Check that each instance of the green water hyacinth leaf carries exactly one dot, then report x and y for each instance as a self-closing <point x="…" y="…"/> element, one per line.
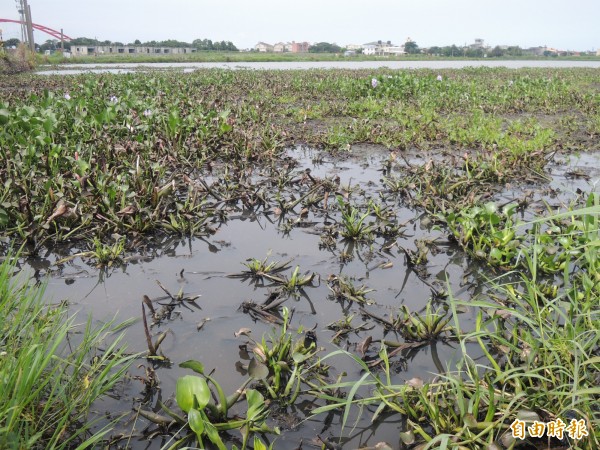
<point x="4" y="116"/>
<point x="213" y="435"/>
<point x="196" y="422"/>
<point x="196" y="366"/>
<point x="191" y="387"/>
<point x="256" y="404"/>
<point x="3" y="218"/>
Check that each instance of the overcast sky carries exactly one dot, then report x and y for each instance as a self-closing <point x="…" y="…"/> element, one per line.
<point x="567" y="25"/>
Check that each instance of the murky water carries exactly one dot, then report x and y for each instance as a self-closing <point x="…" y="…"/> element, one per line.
<point x="66" y="69"/>
<point x="205" y="330"/>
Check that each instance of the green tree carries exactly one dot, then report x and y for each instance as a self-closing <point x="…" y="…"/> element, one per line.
<point x="497" y="52"/>
<point x="14" y="42"/>
<point x="473" y="52"/>
<point x="514" y="50"/>
<point x="452" y="50"/>
<point x="411" y="48"/>
<point x="50" y="44"/>
<point x="84" y="41"/>
<point x="324" y="47"/>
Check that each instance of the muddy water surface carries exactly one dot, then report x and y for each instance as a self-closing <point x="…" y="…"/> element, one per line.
<point x="204" y="330"/>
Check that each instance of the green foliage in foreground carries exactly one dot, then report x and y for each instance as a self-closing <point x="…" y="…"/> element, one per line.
<point x="48" y="385"/>
<point x="540" y="356"/>
<point x="535" y="334"/>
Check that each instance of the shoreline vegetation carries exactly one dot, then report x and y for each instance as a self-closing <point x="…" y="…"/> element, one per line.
<point x="17" y="61"/>
<point x="49" y="376"/>
<point x="217" y="56"/>
<point x="106" y="162"/>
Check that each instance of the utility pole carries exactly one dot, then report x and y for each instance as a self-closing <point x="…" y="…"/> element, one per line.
<point x="27" y="9"/>
<point x="62" y="41"/>
<point x="21" y="11"/>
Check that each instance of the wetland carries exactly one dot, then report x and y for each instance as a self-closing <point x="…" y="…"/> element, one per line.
<point x="370" y="258"/>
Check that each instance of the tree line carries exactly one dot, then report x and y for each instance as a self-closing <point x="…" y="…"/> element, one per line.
<point x="199" y="44"/>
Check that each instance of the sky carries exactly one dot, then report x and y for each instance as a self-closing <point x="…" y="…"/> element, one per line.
<point x="565" y="25"/>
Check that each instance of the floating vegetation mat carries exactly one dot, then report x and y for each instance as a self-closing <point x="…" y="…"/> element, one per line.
<point x="323" y="259"/>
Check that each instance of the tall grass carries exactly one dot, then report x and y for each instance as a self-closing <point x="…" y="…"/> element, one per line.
<point x="47" y="383"/>
<point x="539" y="361"/>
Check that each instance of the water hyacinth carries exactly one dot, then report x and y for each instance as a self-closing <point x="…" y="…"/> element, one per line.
<point x="147" y="113"/>
<point x="67" y="96"/>
<point x="114" y="99"/>
<point x="374" y="82"/>
<point x="439" y="78"/>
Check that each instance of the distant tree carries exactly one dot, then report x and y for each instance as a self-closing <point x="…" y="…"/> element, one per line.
<point x="434" y="50"/>
<point x="137" y="42"/>
<point x="324" y="47"/>
<point x="50" y="44"/>
<point x="85" y="41"/>
<point x="497" y="52"/>
<point x="451" y="50"/>
<point x="14" y="42"/>
<point x="411" y="47"/>
<point x="473" y="52"/>
<point x="209" y="45"/>
<point x="514" y="50"/>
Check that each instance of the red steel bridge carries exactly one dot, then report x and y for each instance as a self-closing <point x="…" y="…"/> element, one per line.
<point x="50" y="31"/>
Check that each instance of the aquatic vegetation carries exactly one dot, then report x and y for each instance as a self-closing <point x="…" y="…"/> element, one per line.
<point x="48" y="380"/>
<point x="539" y="364"/>
<point x="353" y="226"/>
<point x="426" y="326"/>
<point x="204" y="419"/>
<point x="261" y="269"/>
<point x="280" y="362"/>
<point x="343" y="289"/>
<point x="131" y="154"/>
<point x="487" y="233"/>
<point x="453" y="170"/>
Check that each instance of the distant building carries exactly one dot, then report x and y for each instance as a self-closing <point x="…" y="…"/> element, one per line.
<point x="279" y="47"/>
<point x="378" y="48"/>
<point x="263" y="47"/>
<point x="300" y="47"/>
<point x="350" y="53"/>
<point x="86" y="50"/>
<point x="536" y="51"/>
<point x="598" y="52"/>
<point x="478" y="44"/>
<point x="354" y="47"/>
<point x="370" y="49"/>
<point x="394" y="50"/>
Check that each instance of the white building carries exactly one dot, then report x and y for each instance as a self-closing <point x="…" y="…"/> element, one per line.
<point x="378" y="48"/>
<point x="85" y="50"/>
<point x="263" y="47"/>
<point x="395" y="50"/>
<point x="279" y="47"/>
